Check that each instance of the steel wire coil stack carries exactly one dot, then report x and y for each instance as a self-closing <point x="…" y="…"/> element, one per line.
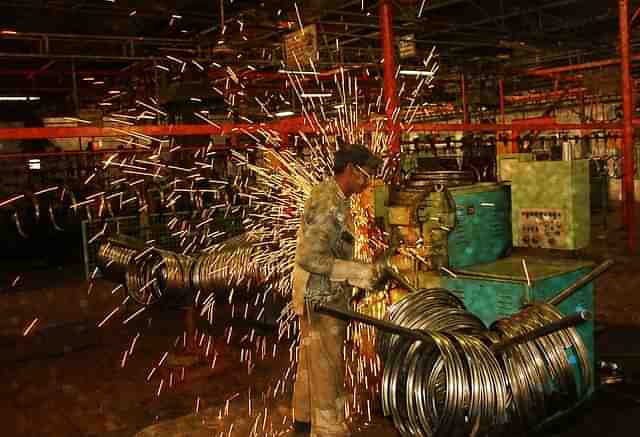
<point x="457" y="385"/>
<point x="148" y="274"/>
<point x="114" y="259"/>
<point x="230" y="264"/>
<point x="174" y="274"/>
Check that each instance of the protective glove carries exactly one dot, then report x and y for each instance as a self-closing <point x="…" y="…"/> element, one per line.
<point x="356" y="274"/>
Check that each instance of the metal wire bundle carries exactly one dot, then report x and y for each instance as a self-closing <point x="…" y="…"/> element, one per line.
<point x="231" y="264"/>
<point x="541" y="377"/>
<point x="174" y="273"/>
<point x="114" y="259"/>
<point x="143" y="277"/>
<point x="457" y="386"/>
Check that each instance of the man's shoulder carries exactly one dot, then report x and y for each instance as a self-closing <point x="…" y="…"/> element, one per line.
<point x="325" y="191"/>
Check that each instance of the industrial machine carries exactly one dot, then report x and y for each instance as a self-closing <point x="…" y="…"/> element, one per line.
<point x="499" y="289"/>
<point x="561" y="220"/>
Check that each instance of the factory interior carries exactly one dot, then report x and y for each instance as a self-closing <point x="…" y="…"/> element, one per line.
<point x="156" y="158"/>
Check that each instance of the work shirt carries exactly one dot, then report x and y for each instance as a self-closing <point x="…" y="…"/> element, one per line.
<point x="326" y="233"/>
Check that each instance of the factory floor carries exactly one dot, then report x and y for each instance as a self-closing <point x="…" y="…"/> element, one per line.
<point x="68" y="376"/>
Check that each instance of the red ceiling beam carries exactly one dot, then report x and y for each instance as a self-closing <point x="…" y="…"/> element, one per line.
<point x="291" y="125"/>
<point x="576" y="67"/>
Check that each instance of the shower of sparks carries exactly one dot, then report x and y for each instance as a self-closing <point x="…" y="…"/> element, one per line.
<point x="264" y="196"/>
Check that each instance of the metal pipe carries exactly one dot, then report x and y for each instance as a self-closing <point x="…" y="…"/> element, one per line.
<point x="465" y="105"/>
<point x="627" y="144"/>
<point x="390" y="90"/>
<point x="501" y="89"/>
<point x="383" y="325"/>
<point x="564" y="323"/>
<point x="568" y="292"/>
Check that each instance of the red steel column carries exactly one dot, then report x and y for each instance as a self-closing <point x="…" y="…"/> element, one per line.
<point x="390" y="88"/>
<point x="465" y="105"/>
<point x="627" y="107"/>
<point x="501" y="87"/>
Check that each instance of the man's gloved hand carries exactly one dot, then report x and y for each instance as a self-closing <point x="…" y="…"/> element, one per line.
<point x="356" y="274"/>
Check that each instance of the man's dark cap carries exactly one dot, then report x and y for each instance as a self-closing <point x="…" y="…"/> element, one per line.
<point x="357" y="154"/>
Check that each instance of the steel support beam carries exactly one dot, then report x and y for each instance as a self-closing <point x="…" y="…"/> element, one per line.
<point x="390" y="86"/>
<point x="628" y="171"/>
<point x="293" y="125"/>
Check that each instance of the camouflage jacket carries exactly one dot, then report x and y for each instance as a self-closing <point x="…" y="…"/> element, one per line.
<point x="325" y="234"/>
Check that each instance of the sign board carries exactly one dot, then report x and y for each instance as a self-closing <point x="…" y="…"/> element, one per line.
<point x="301" y="45"/>
<point x="407" y="45"/>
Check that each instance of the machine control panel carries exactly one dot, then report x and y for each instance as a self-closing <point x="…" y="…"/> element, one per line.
<point x="543" y="227"/>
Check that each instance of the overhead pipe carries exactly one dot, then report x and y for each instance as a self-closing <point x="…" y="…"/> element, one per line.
<point x="627" y="136"/>
<point x="389" y="70"/>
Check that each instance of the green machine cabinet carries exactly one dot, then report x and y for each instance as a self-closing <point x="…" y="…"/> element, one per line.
<point x="499" y="289"/>
<point x="482" y="232"/>
<point x="551" y="204"/>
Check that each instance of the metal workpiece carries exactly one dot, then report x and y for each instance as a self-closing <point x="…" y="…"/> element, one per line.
<point x="543" y="330"/>
<point x="232" y="264"/>
<point x="589" y="277"/>
<point x="468" y="379"/>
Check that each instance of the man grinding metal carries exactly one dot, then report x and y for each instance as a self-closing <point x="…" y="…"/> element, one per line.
<point x="325" y="272"/>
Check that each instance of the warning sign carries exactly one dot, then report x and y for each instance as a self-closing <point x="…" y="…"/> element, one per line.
<point x="301" y="45"/>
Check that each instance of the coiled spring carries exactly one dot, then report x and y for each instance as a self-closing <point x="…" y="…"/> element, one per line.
<point x="457" y="386"/>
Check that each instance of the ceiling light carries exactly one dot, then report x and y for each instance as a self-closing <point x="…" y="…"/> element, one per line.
<point x="132" y="13"/>
<point x="99" y="82"/>
<point x="89" y="79"/>
<point x="416" y="73"/>
<point x="313" y="73"/>
<point x="316" y="94"/>
<point x="8" y="32"/>
<point x="195" y="99"/>
<point x="105" y="104"/>
<point x="114" y="91"/>
<point x="177" y="17"/>
<point x="18" y="98"/>
<point x="284" y="113"/>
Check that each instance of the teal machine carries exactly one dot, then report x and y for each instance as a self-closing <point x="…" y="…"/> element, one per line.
<point x="466" y="229"/>
<point x="500" y="288"/>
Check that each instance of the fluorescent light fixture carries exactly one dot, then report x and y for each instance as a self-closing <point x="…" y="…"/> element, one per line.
<point x="99" y="82"/>
<point x="8" y="32"/>
<point x="311" y="73"/>
<point x="416" y="73"/>
<point x="34" y="164"/>
<point x="316" y="94"/>
<point x="177" y="17"/>
<point x="132" y="13"/>
<point x="18" y="98"/>
<point x="105" y="104"/>
<point x="89" y="79"/>
<point x="195" y="99"/>
<point x="284" y="113"/>
<point x="114" y="91"/>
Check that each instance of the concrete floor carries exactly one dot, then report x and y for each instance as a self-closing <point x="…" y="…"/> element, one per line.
<point x="66" y="378"/>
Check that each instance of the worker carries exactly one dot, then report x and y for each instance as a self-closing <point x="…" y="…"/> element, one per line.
<point x="325" y="272"/>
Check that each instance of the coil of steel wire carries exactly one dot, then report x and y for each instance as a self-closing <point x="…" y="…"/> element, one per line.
<point x="230" y="264"/>
<point x="457" y="386"/>
<point x="174" y="274"/>
<point x="540" y="372"/>
<point x="113" y="259"/>
<point x="143" y="277"/>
